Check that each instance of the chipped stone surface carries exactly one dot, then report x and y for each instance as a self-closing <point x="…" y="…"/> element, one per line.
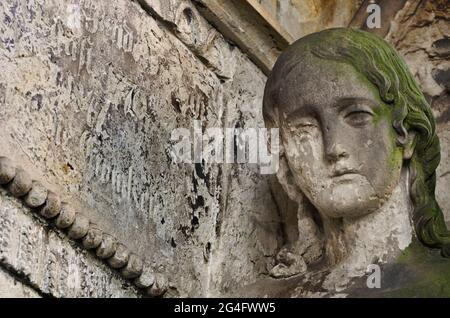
<point x="191" y="28"/>
<point x="49" y="261"/>
<point x="12" y="288"/>
<point x="93" y="92"/>
<point x="301" y="17"/>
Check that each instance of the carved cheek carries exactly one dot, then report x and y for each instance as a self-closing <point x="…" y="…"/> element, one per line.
<point x="312" y="150"/>
<point x="307" y="158"/>
<point x="304" y="147"/>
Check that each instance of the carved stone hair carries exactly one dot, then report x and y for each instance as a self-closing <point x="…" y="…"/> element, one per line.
<point x="380" y="63"/>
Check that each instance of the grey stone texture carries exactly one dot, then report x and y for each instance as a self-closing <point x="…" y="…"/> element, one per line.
<point x="301" y="17"/>
<point x="48" y="262"/>
<point x="90" y="95"/>
<point x="13" y="288"/>
<point x="93" y="92"/>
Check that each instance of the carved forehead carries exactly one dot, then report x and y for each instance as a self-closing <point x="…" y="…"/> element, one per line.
<point x="319" y="83"/>
<point x="312" y="68"/>
<point x="301" y="51"/>
<point x="302" y="60"/>
<point x="298" y="60"/>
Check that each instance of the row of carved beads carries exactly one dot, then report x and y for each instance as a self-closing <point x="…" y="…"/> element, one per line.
<point x="78" y="227"/>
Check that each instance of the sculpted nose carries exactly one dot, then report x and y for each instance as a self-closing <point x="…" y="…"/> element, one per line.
<point x="335" y="151"/>
<point x="333" y="143"/>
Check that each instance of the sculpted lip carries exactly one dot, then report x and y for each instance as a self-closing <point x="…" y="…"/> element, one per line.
<point x="343" y="171"/>
<point x="346" y="178"/>
<point x="344" y="175"/>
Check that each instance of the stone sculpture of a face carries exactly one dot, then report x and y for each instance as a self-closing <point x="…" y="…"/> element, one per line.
<point x="351" y="117"/>
<point x="338" y="138"/>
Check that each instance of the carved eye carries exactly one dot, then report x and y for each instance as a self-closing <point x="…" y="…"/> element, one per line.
<point x="305" y="127"/>
<point x="358" y="118"/>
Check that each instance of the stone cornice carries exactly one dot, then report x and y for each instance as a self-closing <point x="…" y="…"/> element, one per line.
<point x="247" y="24"/>
<point x="64" y="218"/>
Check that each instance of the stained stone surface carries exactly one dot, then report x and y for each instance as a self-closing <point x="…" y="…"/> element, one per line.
<point x="12" y="288"/>
<point x="301" y="17"/>
<point x="48" y="261"/>
<point x="92" y="93"/>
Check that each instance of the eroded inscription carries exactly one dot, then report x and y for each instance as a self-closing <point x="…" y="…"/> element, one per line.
<point x="52" y="263"/>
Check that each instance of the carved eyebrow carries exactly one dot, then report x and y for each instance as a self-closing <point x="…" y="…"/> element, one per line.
<point x="300" y="113"/>
<point x="345" y="102"/>
<point x="341" y="104"/>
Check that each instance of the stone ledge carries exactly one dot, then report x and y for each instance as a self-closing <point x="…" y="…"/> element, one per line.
<point x="51" y="211"/>
<point x="49" y="261"/>
<point x="12" y="287"/>
<point x="182" y="18"/>
<point x="240" y="22"/>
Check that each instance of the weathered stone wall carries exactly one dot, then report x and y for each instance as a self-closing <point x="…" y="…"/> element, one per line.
<point x="12" y="288"/>
<point x="301" y="17"/>
<point x="48" y="262"/>
<point x="91" y="93"/>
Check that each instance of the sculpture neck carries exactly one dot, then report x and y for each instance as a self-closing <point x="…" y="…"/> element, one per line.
<point x="353" y="244"/>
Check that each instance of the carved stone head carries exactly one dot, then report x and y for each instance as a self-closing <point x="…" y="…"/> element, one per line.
<point x="351" y="117"/>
